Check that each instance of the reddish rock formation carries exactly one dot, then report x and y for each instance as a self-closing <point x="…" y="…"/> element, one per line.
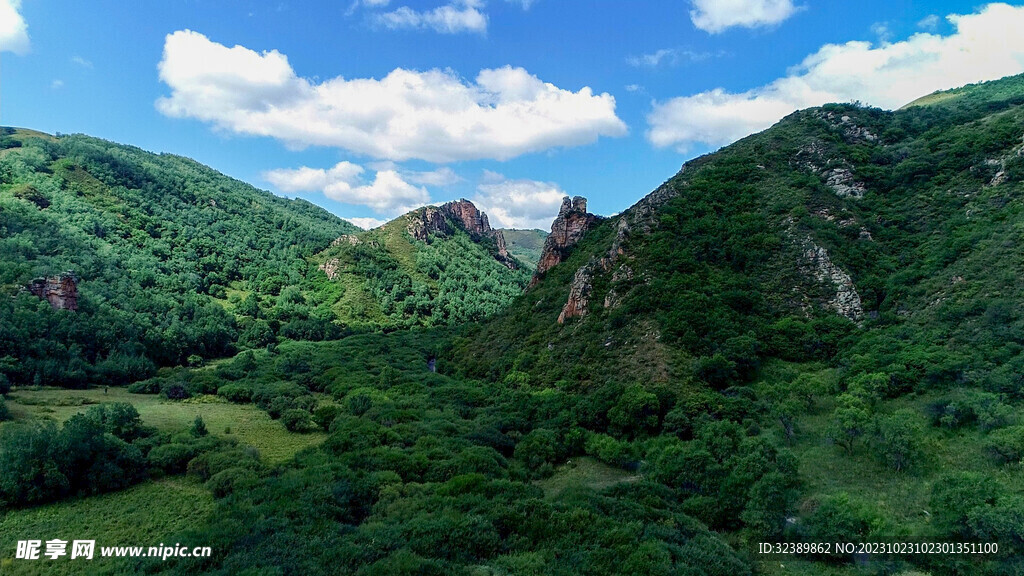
<point x="579" y="295"/>
<point x="432" y="220"/>
<point x="572" y="222"/>
<point x="60" y="291"/>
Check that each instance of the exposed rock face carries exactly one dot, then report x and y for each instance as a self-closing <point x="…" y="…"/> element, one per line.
<point x="350" y="239"/>
<point x="330" y="268"/>
<point x="579" y="295"/>
<point x="60" y="291"/>
<point x="436" y="220"/>
<point x="837" y="172"/>
<point x="845" y="300"/>
<point x="572" y="222"/>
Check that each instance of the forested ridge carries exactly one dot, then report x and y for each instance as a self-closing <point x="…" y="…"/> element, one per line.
<point x="811" y="335"/>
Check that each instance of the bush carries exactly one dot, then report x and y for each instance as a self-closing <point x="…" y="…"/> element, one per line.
<point x="5" y="412"/>
<point x="1006" y="445"/>
<point x="237" y="393"/>
<point x="297" y="420"/>
<point x="172" y="458"/>
<point x="199" y="427"/>
<point x="175" y="391"/>
<point x="324" y="415"/>
<point x="227" y="481"/>
<point x="151" y="386"/>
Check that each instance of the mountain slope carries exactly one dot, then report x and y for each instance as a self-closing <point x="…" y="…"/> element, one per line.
<point x="158" y="243"/>
<point x="525" y="245"/>
<point x="844" y="286"/>
<point x="434" y="265"/>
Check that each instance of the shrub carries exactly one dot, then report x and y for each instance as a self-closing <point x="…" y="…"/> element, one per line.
<point x="325" y="414"/>
<point x="237" y="393"/>
<point x="175" y="391"/>
<point x="227" y="481"/>
<point x="151" y="386"/>
<point x="1006" y="445"/>
<point x="297" y="420"/>
<point x="198" y="427"/>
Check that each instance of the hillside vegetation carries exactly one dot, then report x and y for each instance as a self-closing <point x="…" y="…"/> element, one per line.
<point x="812" y="335"/>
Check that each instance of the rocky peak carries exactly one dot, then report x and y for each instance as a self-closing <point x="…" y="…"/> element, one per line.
<point x="60" y="291"/>
<point x="569" y="226"/>
<point x="438" y="220"/>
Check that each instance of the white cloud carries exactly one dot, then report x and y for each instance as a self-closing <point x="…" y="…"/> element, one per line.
<point x="81" y="62"/>
<point x="433" y="115"/>
<point x="443" y="176"/>
<point x="57" y="84"/>
<point x="518" y="203"/>
<point x="388" y="194"/>
<point x="930" y="22"/>
<point x="367" y="223"/>
<point x="667" y="56"/>
<point x="459" y="16"/>
<point x="524" y="3"/>
<point x="13" y="30"/>
<point x="716" y="16"/>
<point x="985" y="45"/>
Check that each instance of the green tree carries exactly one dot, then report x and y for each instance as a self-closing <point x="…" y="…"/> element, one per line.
<point x="850" y="421"/>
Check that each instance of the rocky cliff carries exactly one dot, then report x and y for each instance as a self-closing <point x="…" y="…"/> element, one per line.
<point x="568" y="228"/>
<point x="437" y="220"/>
<point x="60" y="291"/>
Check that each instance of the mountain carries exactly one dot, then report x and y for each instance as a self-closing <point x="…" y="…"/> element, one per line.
<point x="435" y="265"/>
<point x="813" y="335"/>
<point x="525" y="245"/>
<point x="149" y="260"/>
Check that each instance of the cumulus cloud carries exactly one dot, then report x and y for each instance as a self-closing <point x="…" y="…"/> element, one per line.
<point x="985" y="45"/>
<point x="518" y="203"/>
<point x="433" y="115"/>
<point x="388" y="193"/>
<point x="13" y="30"/>
<point x="716" y="16"/>
<point x="459" y="16"/>
<point x="367" y="223"/>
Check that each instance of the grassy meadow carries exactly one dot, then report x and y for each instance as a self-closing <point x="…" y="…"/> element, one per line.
<point x="244" y="422"/>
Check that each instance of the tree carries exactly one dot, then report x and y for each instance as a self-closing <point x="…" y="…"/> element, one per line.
<point x="635" y="412"/>
<point x="849" y="421"/>
<point x="198" y="427"/>
<point x="898" y="439"/>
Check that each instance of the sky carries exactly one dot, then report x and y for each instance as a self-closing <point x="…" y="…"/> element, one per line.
<point x="371" y="108"/>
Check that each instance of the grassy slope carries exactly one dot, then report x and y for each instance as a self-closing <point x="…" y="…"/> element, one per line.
<point x="525" y="245"/>
<point x="144" y="515"/>
<point x="248" y="424"/>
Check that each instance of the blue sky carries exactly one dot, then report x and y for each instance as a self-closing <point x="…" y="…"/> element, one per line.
<point x="372" y="107"/>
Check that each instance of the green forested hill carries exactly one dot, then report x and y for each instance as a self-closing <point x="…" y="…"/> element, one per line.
<point x="813" y="335"/>
<point x="525" y="245"/>
<point x="160" y="244"/>
<point x="389" y="278"/>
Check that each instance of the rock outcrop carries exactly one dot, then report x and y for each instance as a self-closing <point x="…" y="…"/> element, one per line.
<point x="60" y="291"/>
<point x="569" y="226"/>
<point x="844" y="299"/>
<point x="437" y="220"/>
<point x="579" y="295"/>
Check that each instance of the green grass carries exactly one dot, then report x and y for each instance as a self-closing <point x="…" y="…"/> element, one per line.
<point x="586" y="472"/>
<point x="145" y="515"/>
<point x="248" y="424"/>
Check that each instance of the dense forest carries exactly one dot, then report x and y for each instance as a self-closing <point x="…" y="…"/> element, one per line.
<point x="812" y="335"/>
